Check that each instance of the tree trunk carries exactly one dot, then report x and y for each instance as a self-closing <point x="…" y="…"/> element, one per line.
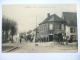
<point x="6" y="36"/>
<point x="12" y="39"/>
<point x="3" y="36"/>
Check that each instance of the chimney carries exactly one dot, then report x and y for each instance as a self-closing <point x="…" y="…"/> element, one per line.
<point x="48" y="14"/>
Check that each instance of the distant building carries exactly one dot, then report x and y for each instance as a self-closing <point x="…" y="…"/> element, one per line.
<point x="22" y="35"/>
<point x="35" y="33"/>
<point x="54" y="25"/>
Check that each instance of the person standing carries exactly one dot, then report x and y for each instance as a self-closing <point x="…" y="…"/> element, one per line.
<point x="67" y="39"/>
<point x="63" y="39"/>
<point x="20" y="40"/>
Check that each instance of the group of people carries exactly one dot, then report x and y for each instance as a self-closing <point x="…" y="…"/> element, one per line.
<point x="62" y="39"/>
<point x="26" y="38"/>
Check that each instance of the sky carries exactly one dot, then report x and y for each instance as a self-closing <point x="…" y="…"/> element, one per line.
<point x="26" y="15"/>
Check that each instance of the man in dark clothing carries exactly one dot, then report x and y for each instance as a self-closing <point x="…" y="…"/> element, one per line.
<point x="20" y="40"/>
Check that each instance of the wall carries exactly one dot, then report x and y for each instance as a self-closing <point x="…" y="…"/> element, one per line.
<point x="57" y="28"/>
<point x="43" y="30"/>
<point x="68" y="31"/>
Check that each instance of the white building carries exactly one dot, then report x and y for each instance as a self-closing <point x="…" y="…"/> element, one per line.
<point x="71" y="25"/>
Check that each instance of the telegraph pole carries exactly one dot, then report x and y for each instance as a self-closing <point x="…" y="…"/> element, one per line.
<point x="36" y="28"/>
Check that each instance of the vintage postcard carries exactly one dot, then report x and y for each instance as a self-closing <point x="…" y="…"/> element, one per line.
<point x="39" y="28"/>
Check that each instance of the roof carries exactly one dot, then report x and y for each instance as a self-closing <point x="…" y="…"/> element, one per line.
<point x="52" y="18"/>
<point x="35" y="29"/>
<point x="70" y="18"/>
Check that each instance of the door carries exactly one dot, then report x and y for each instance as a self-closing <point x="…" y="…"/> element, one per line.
<point x="50" y="37"/>
<point x="72" y="38"/>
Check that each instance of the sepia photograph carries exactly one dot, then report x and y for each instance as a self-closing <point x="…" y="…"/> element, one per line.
<point x="39" y="28"/>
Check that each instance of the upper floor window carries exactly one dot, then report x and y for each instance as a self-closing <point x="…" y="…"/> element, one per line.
<point x="51" y="27"/>
<point x="72" y="30"/>
<point x="62" y="26"/>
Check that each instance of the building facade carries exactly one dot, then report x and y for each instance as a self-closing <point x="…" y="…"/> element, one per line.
<point x="71" y="25"/>
<point x="54" y="25"/>
<point x="51" y="27"/>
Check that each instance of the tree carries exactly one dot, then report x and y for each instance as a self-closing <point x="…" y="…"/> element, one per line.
<point x="8" y="25"/>
<point x="5" y="28"/>
<point x="13" y="29"/>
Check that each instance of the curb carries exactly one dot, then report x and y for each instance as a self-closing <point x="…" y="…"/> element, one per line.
<point x="11" y="49"/>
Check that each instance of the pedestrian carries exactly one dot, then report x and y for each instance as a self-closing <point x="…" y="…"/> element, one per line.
<point x="20" y="40"/>
<point x="67" y="39"/>
<point x="63" y="39"/>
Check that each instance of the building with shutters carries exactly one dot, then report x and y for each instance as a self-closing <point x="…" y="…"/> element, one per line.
<point x="71" y="25"/>
<point x="50" y="27"/>
<point x="54" y="25"/>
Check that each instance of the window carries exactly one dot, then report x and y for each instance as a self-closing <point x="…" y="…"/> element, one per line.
<point x="62" y="26"/>
<point x="72" y="30"/>
<point x="51" y="26"/>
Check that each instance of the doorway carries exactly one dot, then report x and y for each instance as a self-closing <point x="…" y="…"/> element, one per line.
<point x="72" y="38"/>
<point x="50" y="37"/>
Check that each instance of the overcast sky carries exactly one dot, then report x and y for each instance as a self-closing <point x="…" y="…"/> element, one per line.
<point x="26" y="15"/>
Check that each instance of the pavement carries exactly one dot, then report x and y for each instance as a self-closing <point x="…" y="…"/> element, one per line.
<point x="45" y="47"/>
<point x="6" y="47"/>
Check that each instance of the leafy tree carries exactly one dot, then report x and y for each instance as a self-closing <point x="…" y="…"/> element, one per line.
<point x="5" y="27"/>
<point x="8" y="25"/>
<point x="13" y="29"/>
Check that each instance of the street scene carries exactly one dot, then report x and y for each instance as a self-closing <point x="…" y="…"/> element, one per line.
<point x="39" y="28"/>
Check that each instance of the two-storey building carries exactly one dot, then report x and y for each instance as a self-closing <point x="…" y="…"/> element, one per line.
<point x="51" y="27"/>
<point x="71" y="25"/>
